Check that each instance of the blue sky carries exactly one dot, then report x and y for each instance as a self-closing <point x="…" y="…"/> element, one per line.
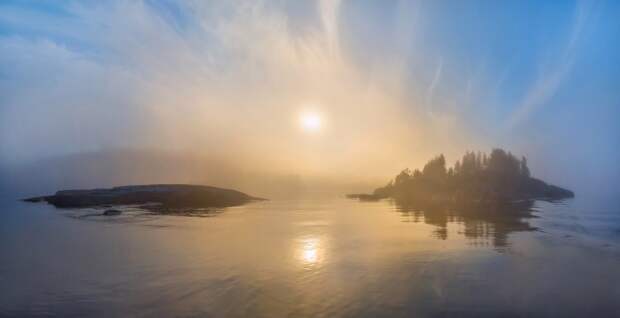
<point x="538" y="78"/>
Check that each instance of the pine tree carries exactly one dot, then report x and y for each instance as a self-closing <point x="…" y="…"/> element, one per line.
<point x="525" y="171"/>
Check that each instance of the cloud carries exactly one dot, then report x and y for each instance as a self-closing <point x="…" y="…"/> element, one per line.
<point x="552" y="77"/>
<point x="224" y="79"/>
<point x="431" y="88"/>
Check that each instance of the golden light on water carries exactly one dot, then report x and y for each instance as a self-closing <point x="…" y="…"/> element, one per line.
<point x="310" y="255"/>
<point x="310" y="251"/>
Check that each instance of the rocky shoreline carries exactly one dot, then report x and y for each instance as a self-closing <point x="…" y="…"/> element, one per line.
<point x="159" y="197"/>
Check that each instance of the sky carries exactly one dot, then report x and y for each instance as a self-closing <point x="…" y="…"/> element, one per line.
<point x="225" y="82"/>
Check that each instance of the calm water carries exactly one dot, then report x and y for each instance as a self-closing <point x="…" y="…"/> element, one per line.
<point x="327" y="257"/>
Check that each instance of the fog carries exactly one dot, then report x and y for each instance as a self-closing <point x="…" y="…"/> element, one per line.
<point x="100" y="94"/>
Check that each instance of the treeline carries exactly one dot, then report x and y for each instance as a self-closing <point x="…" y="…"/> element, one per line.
<point x="475" y="177"/>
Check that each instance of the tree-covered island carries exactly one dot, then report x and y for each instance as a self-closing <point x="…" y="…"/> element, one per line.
<point x="477" y="178"/>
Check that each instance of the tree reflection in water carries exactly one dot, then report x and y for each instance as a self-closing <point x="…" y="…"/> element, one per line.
<point x="483" y="224"/>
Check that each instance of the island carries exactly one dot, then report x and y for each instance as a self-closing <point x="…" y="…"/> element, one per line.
<point x="162" y="198"/>
<point x="476" y="179"/>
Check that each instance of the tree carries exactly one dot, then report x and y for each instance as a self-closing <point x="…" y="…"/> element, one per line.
<point x="478" y="165"/>
<point x="436" y="168"/>
<point x="417" y="174"/>
<point x="402" y="177"/>
<point x="503" y="164"/>
<point x="525" y="171"/>
<point x="468" y="164"/>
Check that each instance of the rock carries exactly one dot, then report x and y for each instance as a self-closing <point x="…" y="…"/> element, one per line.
<point x="173" y="196"/>
<point x="111" y="212"/>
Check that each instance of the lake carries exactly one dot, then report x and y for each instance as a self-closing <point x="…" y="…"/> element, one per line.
<point x="311" y="258"/>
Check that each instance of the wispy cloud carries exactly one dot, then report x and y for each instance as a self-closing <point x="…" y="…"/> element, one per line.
<point x="396" y="84"/>
<point x="430" y="92"/>
<point x="552" y="77"/>
<point x="226" y="78"/>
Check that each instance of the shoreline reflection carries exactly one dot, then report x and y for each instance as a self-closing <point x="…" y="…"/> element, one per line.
<point x="482" y="224"/>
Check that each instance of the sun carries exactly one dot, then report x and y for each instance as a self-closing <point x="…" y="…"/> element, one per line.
<point x="310" y="122"/>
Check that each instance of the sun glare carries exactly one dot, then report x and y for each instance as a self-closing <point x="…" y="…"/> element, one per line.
<point x="310" y="251"/>
<point x="310" y="122"/>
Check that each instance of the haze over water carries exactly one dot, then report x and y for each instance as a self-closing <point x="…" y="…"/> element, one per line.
<point x="308" y="258"/>
<point x="303" y="102"/>
<point x="264" y="96"/>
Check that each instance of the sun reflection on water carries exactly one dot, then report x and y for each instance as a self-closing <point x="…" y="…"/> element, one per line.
<point x="310" y="251"/>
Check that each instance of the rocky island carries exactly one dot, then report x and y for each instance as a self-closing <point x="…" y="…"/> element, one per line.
<point x="162" y="198"/>
<point x="476" y="179"/>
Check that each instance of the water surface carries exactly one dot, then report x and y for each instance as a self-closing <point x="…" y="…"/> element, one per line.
<point x="315" y="257"/>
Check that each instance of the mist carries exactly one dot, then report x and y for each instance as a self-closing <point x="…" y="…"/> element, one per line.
<point x="212" y="93"/>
